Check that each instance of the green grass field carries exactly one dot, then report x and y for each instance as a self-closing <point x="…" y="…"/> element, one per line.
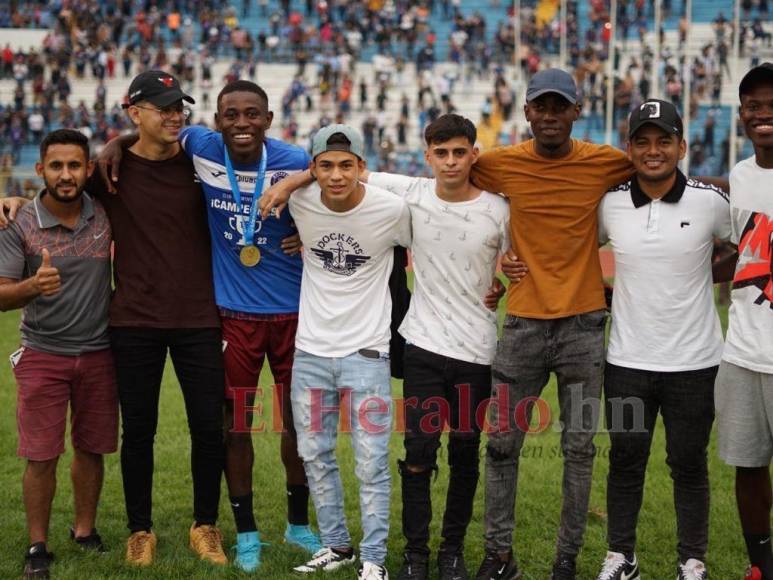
<point x="537" y="507"/>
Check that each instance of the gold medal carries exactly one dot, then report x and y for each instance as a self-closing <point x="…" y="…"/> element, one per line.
<point x="249" y="256"/>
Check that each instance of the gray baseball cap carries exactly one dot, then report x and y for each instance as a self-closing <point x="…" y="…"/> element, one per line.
<point x="319" y="144"/>
<point x="552" y="80"/>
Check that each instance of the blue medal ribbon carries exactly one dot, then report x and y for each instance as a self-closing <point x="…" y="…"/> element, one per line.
<point x="249" y="226"/>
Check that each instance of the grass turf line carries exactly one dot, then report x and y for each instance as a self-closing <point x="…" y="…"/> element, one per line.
<point x="538" y="504"/>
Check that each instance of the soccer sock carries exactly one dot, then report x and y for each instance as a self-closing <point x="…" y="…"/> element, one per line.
<point x="243" y="516"/>
<point x="760" y="554"/>
<point x="298" y="505"/>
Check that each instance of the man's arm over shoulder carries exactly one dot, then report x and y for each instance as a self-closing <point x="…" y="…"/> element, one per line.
<point x="9" y="207"/>
<point x="194" y="138"/>
<point x="97" y="186"/>
<point x="613" y="165"/>
<point x="394" y="183"/>
<point x="280" y="194"/>
<point x="487" y="172"/>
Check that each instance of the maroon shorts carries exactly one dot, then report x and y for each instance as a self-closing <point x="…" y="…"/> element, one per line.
<point x="248" y="342"/>
<point x="47" y="383"/>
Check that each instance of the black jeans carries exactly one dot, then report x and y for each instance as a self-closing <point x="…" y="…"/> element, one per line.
<point x="439" y="391"/>
<point x="686" y="402"/>
<point x="197" y="356"/>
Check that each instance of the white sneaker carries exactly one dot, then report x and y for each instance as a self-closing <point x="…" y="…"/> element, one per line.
<point x="692" y="569"/>
<point x="326" y="560"/>
<point x="371" y="571"/>
<point x="616" y="567"/>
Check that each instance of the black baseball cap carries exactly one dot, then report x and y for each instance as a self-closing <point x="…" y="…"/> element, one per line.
<point x="552" y="80"/>
<point x="662" y="114"/>
<point x="761" y="73"/>
<point x="157" y="87"/>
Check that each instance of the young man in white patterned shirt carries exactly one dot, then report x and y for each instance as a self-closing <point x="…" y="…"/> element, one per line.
<point x="451" y="333"/>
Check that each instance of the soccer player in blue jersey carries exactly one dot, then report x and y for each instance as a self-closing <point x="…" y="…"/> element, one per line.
<point x="257" y="288"/>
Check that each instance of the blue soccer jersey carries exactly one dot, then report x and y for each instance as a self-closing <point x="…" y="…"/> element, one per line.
<point x="273" y="286"/>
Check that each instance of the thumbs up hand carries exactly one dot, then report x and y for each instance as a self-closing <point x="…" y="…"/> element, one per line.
<point x="47" y="281"/>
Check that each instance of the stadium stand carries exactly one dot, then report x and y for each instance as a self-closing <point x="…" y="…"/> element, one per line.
<point x="384" y="66"/>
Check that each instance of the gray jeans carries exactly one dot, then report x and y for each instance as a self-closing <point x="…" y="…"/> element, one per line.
<point x="529" y="350"/>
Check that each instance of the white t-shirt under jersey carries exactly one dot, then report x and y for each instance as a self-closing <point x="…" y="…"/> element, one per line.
<point x="663" y="313"/>
<point x="454" y="252"/>
<point x="749" y="341"/>
<point x="347" y="260"/>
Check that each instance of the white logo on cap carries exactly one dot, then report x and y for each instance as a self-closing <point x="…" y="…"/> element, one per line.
<point x="652" y="109"/>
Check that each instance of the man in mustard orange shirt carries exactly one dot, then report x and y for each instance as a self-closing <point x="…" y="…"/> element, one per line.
<point x="555" y="316"/>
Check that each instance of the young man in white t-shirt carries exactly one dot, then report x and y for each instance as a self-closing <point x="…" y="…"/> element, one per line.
<point x="341" y="363"/>
<point x="744" y="388"/>
<point x="665" y="342"/>
<point x="459" y="231"/>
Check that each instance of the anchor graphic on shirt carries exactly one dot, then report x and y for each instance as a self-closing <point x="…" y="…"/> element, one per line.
<point x="339" y="259"/>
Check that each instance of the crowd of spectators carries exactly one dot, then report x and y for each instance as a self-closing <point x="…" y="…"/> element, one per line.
<point x="99" y="40"/>
<point x="325" y="39"/>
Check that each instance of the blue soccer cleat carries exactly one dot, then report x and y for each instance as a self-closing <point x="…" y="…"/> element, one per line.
<point x="247" y="548"/>
<point x="303" y="537"/>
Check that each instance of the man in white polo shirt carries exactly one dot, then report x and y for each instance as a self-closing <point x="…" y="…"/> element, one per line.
<point x="341" y="360"/>
<point x="665" y="341"/>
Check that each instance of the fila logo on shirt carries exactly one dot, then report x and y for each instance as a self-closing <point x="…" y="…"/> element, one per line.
<point x="340" y="254"/>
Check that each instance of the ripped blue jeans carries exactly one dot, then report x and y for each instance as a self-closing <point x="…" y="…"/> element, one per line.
<point x="357" y="390"/>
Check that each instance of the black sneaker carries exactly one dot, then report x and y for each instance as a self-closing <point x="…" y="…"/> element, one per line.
<point x="37" y="560"/>
<point x="564" y="568"/>
<point x="415" y="567"/>
<point x="451" y="565"/>
<point x="90" y="543"/>
<point x="494" y="568"/>
<point x="617" y="567"/>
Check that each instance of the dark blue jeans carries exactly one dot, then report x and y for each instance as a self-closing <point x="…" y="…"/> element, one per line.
<point x="685" y="400"/>
<point x="529" y="350"/>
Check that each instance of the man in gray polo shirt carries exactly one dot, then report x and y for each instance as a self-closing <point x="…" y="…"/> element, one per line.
<point x="55" y="264"/>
